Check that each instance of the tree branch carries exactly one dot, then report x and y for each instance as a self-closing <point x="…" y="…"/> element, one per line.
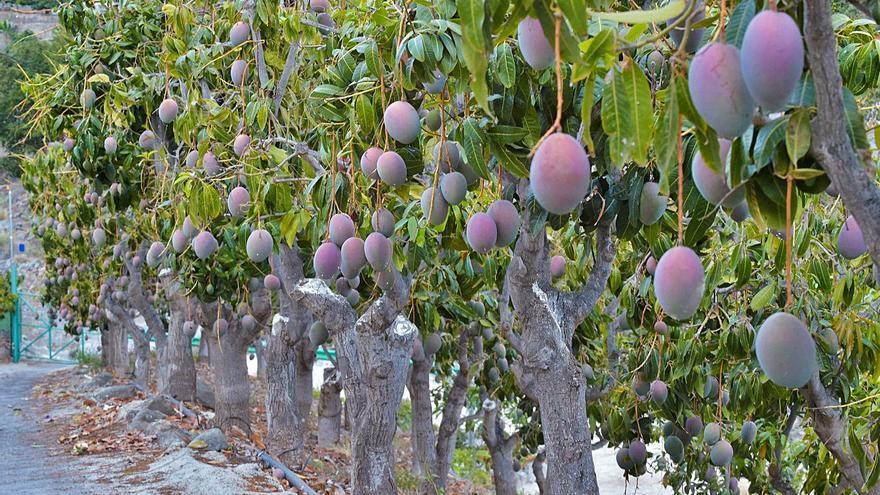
<point x="261" y="59"/>
<point x="383" y="312"/>
<point x="775" y="469"/>
<point x="138" y="297"/>
<point x="290" y="64"/>
<point x="327" y="306"/>
<point x="830" y="142"/>
<point x="579" y="304"/>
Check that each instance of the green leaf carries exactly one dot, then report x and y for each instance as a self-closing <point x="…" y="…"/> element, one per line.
<point x="806" y="173"/>
<point x="374" y="62"/>
<point x="626" y="115"/>
<point x="855" y="123"/>
<point x="798" y="134"/>
<point x="509" y="160"/>
<point x="595" y="49"/>
<point x="768" y="139"/>
<point x="99" y="78"/>
<point x="472" y="142"/>
<point x="366" y="114"/>
<point x="476" y="45"/>
<point x="763" y="297"/>
<point x="738" y="22"/>
<point x="576" y="13"/>
<point x="666" y="141"/>
<point x="507" y="134"/>
<point x="505" y="65"/>
<point x="668" y="11"/>
<point x="587" y="102"/>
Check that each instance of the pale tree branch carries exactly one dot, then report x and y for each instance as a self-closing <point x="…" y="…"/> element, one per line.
<point x="831" y="145"/>
<point x="579" y="304"/>
<point x="329" y="307"/>
<point x="775" y="470"/>
<point x="290" y="65"/>
<point x="138" y="296"/>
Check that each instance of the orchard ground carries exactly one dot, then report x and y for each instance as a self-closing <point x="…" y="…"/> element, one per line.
<point x="43" y="410"/>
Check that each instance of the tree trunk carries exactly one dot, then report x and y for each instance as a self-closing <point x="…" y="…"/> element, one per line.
<point x="287" y="424"/>
<point x="260" y="356"/>
<point x="231" y="387"/>
<point x="204" y="352"/>
<point x="177" y="370"/>
<point x="304" y="359"/>
<point x="141" y="341"/>
<point x="831" y="144"/>
<point x="329" y="409"/>
<point x="538" y="471"/>
<point x="447" y="434"/>
<point x="386" y="353"/>
<point x="422" y="437"/>
<point x="114" y="347"/>
<point x="500" y="448"/>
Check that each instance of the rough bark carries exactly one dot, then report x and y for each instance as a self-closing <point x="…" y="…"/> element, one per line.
<point x="260" y="355"/>
<point x="228" y="350"/>
<point x="546" y="370"/>
<point x="176" y="375"/>
<point x="831" y="144"/>
<point x="114" y="340"/>
<point x="538" y="471"/>
<point x="450" y="418"/>
<point x="204" y="353"/>
<point x="304" y="360"/>
<point x="330" y="409"/>
<point x="831" y="427"/>
<point x="138" y="298"/>
<point x="500" y="448"/>
<point x="141" y="341"/>
<point x="422" y="437"/>
<point x="286" y="422"/>
<point x="372" y="353"/>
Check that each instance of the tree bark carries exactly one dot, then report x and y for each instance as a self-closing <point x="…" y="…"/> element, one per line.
<point x="831" y="144"/>
<point x="330" y="409"/>
<point x="450" y="419"/>
<point x="285" y="421"/>
<point x="372" y="353"/>
<point x="116" y="349"/>
<point x="422" y="436"/>
<point x="831" y="427"/>
<point x="546" y="370"/>
<point x="500" y="448"/>
<point x="304" y="360"/>
<point x="231" y="386"/>
<point x="176" y="376"/>
<point x="141" y="341"/>
<point x="538" y="471"/>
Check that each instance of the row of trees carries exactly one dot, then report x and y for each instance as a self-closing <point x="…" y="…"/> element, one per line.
<point x="360" y="175"/>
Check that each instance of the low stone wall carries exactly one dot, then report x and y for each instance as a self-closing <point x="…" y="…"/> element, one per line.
<point x="39" y="22"/>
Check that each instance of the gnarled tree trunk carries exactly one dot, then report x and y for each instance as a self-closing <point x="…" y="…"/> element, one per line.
<point x="546" y="370"/>
<point x="231" y="387"/>
<point x="304" y="359"/>
<point x="330" y="409"/>
<point x="177" y="370"/>
<point x="422" y="436"/>
<point x="500" y="449"/>
<point x="372" y="353"/>
<point x="141" y="341"/>
<point x="286" y="422"/>
<point x="114" y="348"/>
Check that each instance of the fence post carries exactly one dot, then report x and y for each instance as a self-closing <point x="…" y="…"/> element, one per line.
<point x="15" y="323"/>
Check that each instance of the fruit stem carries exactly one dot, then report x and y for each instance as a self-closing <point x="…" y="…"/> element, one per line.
<point x="557" y="124"/>
<point x="789" y="233"/>
<point x="680" y="198"/>
<point x="382" y="87"/>
<point x="720" y="391"/>
<point x="722" y="16"/>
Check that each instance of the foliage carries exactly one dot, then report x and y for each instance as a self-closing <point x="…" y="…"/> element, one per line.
<point x="330" y="111"/>
<point x="7" y="298"/>
<point x="26" y="55"/>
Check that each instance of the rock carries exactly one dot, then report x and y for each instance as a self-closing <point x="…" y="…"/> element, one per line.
<point x="129" y="410"/>
<point x="161" y="405"/>
<point x="204" y="394"/>
<point x="167" y="435"/>
<point x="144" y="418"/>
<point x="115" y="392"/>
<point x="98" y="381"/>
<point x="213" y="439"/>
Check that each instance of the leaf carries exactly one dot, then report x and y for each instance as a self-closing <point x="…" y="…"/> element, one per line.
<point x="99" y="78"/>
<point x="738" y="22"/>
<point x="366" y="114"/>
<point x="476" y="46"/>
<point x="587" y="102"/>
<point x="509" y="160"/>
<point x="797" y="135"/>
<point x="505" y="65"/>
<point x="658" y="15"/>
<point x="473" y="147"/>
<point x="855" y="123"/>
<point x="768" y="138"/>
<point x="763" y="297"/>
<point x="666" y="141"/>
<point x="374" y="62"/>
<point x="626" y="115"/>
<point x="507" y="134"/>
<point x="576" y="13"/>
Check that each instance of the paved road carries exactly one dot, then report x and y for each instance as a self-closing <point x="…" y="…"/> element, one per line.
<point x="28" y="467"/>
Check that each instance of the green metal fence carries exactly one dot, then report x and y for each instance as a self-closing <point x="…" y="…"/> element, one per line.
<point x="29" y="314"/>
